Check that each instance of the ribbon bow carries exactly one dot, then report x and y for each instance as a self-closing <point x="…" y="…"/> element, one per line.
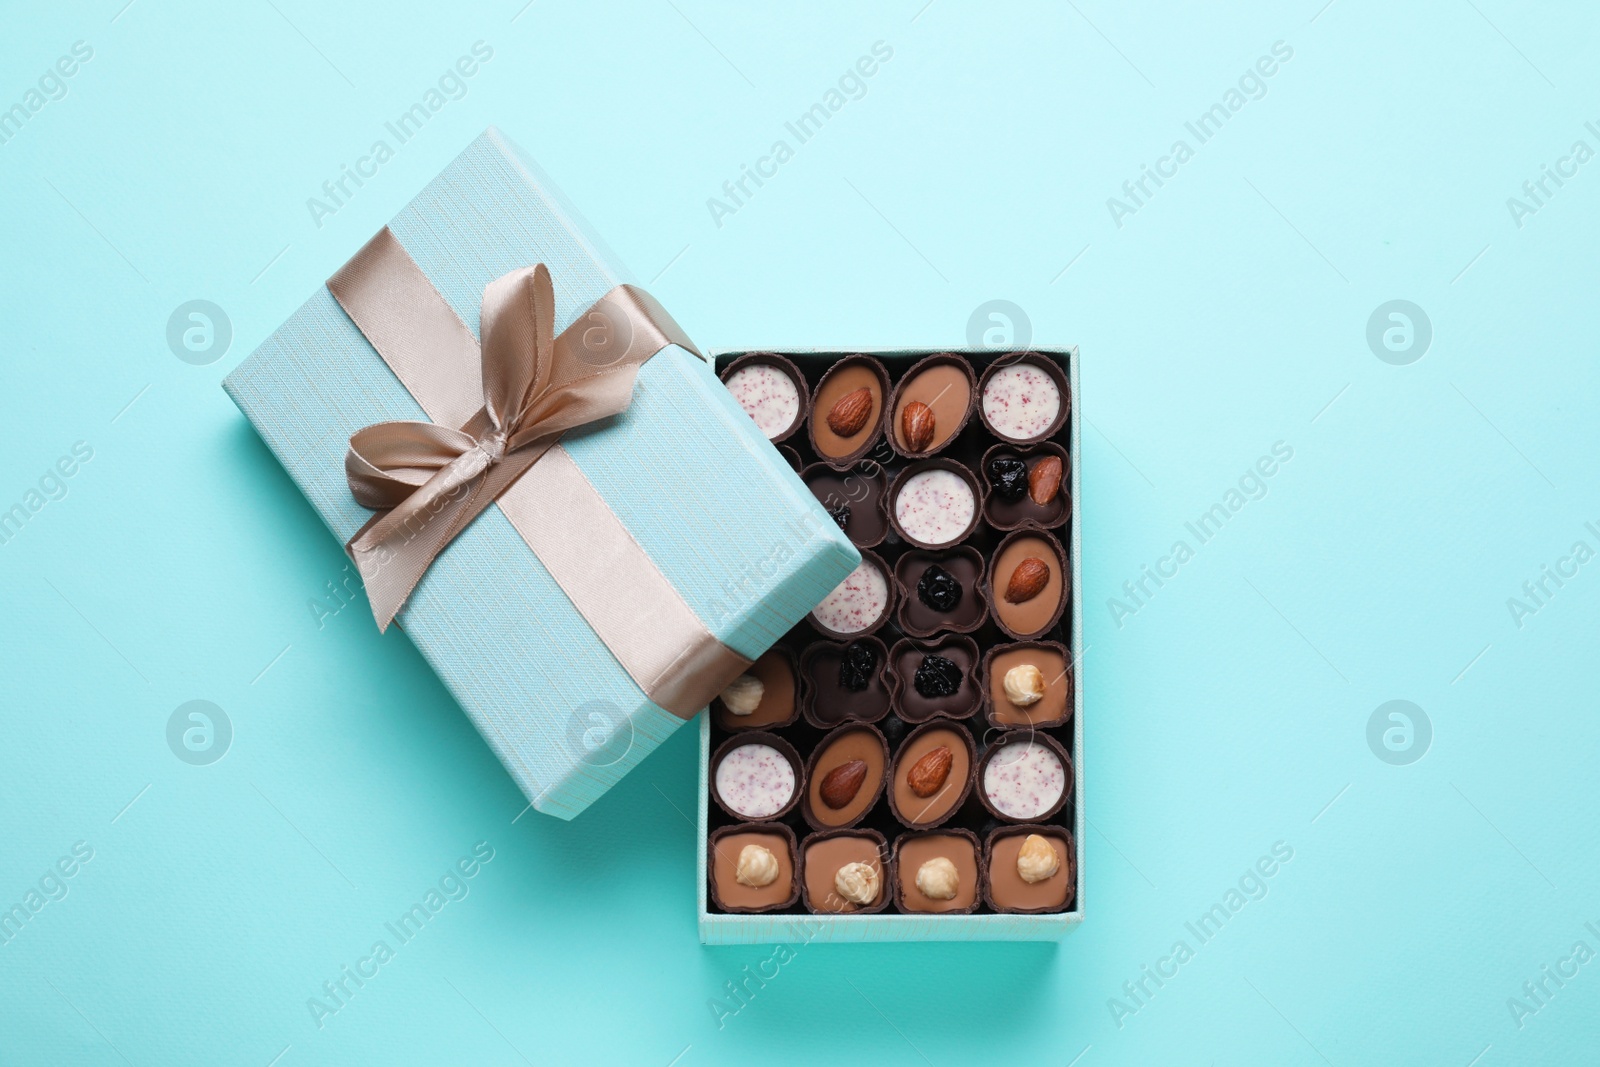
<point x="431" y="481"/>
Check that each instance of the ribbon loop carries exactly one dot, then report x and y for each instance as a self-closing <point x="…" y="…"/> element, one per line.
<point x="499" y="409"/>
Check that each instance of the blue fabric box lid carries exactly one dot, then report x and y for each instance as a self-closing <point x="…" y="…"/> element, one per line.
<point x="699" y="487"/>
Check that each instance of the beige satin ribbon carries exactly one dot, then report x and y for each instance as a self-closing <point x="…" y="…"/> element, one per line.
<point x="513" y="397"/>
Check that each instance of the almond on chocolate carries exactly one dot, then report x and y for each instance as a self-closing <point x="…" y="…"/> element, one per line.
<point x="917" y="426"/>
<point x="927" y="776"/>
<point x="850" y="413"/>
<point x="1044" y="480"/>
<point x="841" y="784"/>
<point x="1028" y="580"/>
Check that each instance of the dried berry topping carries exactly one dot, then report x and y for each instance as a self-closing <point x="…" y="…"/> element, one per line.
<point x="857" y="665"/>
<point x="840" y="515"/>
<point x="1009" y="477"/>
<point x="937" y="677"/>
<point x="939" y="589"/>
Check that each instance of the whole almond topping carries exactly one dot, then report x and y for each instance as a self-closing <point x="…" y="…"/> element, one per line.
<point x="1028" y="580"/>
<point x="840" y="785"/>
<point x="917" y="426"/>
<point x="927" y="776"/>
<point x="1044" y="480"/>
<point x="850" y="412"/>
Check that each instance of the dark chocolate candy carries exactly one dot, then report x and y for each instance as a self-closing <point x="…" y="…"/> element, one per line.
<point x="939" y="677"/>
<point x="828" y="702"/>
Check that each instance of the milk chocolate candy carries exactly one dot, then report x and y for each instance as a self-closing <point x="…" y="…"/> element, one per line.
<point x="845" y="777"/>
<point x="779" y="676"/>
<point x="823" y="854"/>
<point x="1053" y="662"/>
<point x="1028" y="609"/>
<point x="722" y="867"/>
<point x="945" y="392"/>
<point x="932" y="774"/>
<point x="1006" y="890"/>
<point x="847" y="410"/>
<point x="912" y="851"/>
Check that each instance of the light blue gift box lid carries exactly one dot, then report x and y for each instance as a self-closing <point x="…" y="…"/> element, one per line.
<point x="709" y="499"/>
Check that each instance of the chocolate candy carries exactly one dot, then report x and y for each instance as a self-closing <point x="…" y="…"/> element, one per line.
<point x="779" y="706"/>
<point x="943" y="388"/>
<point x="859" y="604"/>
<point x="1019" y="888"/>
<point x="845" y="777"/>
<point x="855" y="498"/>
<point x="938" y="677"/>
<point x="826" y="854"/>
<point x="1023" y="399"/>
<point x="932" y="774"/>
<point x="847" y="410"/>
<point x="1051" y="707"/>
<point x="828" y="700"/>
<point x="959" y="571"/>
<point x="771" y="390"/>
<point x="928" y="866"/>
<point x="727" y="847"/>
<point x="1028" y="603"/>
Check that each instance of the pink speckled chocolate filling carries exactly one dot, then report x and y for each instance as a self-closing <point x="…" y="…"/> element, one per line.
<point x="1021" y="401"/>
<point x="768" y="396"/>
<point x="935" y="507"/>
<point x="1024" y="780"/>
<point x="755" y="780"/>
<point x="857" y="602"/>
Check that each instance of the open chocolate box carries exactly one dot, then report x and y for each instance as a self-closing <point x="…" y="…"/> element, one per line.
<point x="910" y="765"/>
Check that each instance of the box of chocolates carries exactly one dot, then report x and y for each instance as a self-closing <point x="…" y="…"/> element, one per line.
<point x="907" y="762"/>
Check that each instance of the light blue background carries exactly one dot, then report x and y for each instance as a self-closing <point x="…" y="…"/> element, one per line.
<point x="1228" y="313"/>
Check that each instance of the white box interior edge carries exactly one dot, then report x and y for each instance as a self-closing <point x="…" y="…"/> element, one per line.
<point x="717" y="929"/>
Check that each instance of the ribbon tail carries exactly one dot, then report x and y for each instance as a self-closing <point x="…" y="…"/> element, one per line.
<point x="393" y="552"/>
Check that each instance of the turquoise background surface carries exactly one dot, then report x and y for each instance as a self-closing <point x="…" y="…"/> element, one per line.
<point x="1443" y="863"/>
